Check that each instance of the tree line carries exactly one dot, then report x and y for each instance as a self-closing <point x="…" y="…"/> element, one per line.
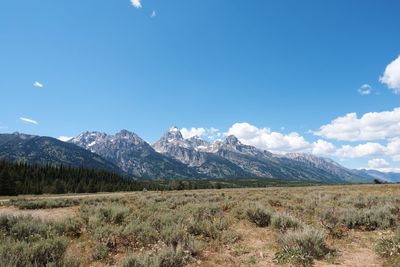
<point x="23" y="178"/>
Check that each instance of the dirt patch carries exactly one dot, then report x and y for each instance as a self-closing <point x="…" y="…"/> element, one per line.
<point x="43" y="214"/>
<point x="256" y="248"/>
<point x="356" y="251"/>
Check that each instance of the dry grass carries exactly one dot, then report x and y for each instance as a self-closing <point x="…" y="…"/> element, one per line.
<point x="303" y="226"/>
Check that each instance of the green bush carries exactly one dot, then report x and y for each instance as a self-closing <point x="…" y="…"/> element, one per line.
<point x="283" y="222"/>
<point x="369" y="219"/>
<point x="113" y="214"/>
<point x="330" y="220"/>
<point x="139" y="234"/>
<point x="134" y="261"/>
<point x="301" y="246"/>
<point x="44" y="203"/>
<point x="260" y="216"/>
<point x="68" y="227"/>
<point x="100" y="252"/>
<point x="170" y="257"/>
<point x="40" y="253"/>
<point x="29" y="230"/>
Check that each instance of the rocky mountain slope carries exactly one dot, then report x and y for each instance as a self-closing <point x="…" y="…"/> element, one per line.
<point x="133" y="155"/>
<point x="240" y="160"/>
<point x="174" y="156"/>
<point x="47" y="150"/>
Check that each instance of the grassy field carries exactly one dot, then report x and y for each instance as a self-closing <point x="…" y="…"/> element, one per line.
<point x="353" y="225"/>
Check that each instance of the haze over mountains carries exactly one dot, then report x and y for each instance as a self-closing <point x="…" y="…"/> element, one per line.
<point x="173" y="156"/>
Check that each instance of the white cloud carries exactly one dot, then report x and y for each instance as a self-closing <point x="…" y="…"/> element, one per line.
<point x="28" y="120"/>
<point x="264" y="138"/>
<point x="136" y="3"/>
<point x="362" y="150"/>
<point x="209" y="133"/>
<point x="64" y="138"/>
<point x="38" y="84"/>
<point x="153" y="14"/>
<point x="371" y="126"/>
<point x="322" y="147"/>
<point x="365" y="89"/>
<point x="391" y="76"/>
<point x="378" y="163"/>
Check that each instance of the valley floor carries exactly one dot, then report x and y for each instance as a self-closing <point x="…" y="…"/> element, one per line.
<point x="352" y="225"/>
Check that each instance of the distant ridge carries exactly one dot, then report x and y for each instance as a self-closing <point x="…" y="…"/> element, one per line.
<point x="175" y="157"/>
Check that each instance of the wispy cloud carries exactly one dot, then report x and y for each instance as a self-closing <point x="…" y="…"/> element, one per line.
<point x="27" y="120"/>
<point x="153" y="14"/>
<point x="136" y="3"/>
<point x="365" y="89"/>
<point x="38" y="84"/>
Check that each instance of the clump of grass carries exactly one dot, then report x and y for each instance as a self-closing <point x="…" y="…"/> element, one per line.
<point x="301" y="246"/>
<point x="260" y="216"/>
<point x="284" y="221"/>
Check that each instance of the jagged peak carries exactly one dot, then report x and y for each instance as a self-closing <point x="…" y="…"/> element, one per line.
<point x="232" y="140"/>
<point x="173" y="134"/>
<point x="173" y="129"/>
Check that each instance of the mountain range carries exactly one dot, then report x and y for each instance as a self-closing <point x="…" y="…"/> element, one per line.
<point x="174" y="156"/>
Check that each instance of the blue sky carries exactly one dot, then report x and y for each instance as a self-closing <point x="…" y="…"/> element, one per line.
<point x="281" y="67"/>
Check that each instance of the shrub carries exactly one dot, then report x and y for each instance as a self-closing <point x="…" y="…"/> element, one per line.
<point x="29" y="230"/>
<point x="139" y="234"/>
<point x="388" y="247"/>
<point x="68" y="227"/>
<point x="261" y="217"/>
<point x="100" y="252"/>
<point x="301" y="246"/>
<point x="113" y="214"/>
<point x="41" y="253"/>
<point x="134" y="261"/>
<point x="283" y="222"/>
<point x="296" y="256"/>
<point x="170" y="257"/>
<point x="369" y="219"/>
<point x="44" y="203"/>
<point x="330" y="220"/>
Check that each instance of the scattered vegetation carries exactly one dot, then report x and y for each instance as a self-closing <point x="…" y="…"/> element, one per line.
<point x="287" y="226"/>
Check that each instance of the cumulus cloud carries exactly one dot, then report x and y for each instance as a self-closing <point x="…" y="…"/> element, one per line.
<point x="322" y="147"/>
<point x="378" y="163"/>
<point x="38" y="84"/>
<point x="27" y="120"/>
<point x="136" y="3"/>
<point x="371" y="126"/>
<point x="209" y="133"/>
<point x="64" y="138"/>
<point x="361" y="150"/>
<point x="264" y="138"/>
<point x="365" y="89"/>
<point x="391" y="76"/>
